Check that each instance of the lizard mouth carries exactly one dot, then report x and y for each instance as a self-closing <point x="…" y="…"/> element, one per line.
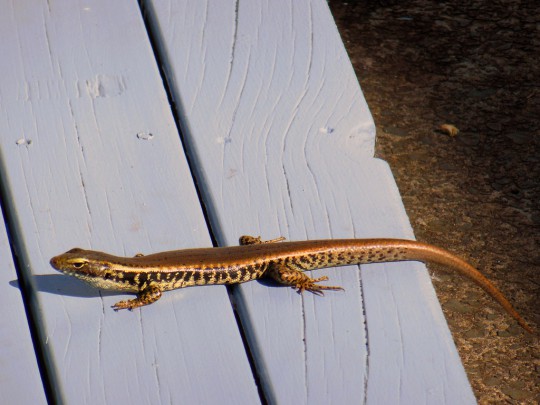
<point x="54" y="263"/>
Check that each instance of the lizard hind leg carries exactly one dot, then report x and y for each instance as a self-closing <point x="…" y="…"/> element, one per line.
<point x="296" y="279"/>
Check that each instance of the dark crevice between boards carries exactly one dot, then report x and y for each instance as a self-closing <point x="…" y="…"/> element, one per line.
<point x="366" y="332"/>
<point x="263" y="395"/>
<point x="212" y="222"/>
<point x="162" y="61"/>
<point x="21" y="261"/>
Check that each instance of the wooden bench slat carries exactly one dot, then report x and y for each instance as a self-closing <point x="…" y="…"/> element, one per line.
<point x="20" y="380"/>
<point x="283" y="140"/>
<point x="94" y="160"/>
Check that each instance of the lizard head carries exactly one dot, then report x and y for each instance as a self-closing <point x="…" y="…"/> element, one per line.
<point x="76" y="261"/>
<point x="96" y="268"/>
<point x="83" y="264"/>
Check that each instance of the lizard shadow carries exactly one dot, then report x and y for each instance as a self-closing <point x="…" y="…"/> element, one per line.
<point x="62" y="285"/>
<point x="269" y="282"/>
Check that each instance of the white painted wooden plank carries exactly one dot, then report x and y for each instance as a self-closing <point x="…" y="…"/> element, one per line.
<point x="284" y="141"/>
<point x="20" y="381"/>
<point x="79" y="81"/>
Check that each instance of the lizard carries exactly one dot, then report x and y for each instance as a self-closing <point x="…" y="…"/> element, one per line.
<point x="285" y="262"/>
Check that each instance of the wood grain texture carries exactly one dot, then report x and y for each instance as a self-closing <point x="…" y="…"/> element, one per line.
<point x="93" y="159"/>
<point x="283" y="144"/>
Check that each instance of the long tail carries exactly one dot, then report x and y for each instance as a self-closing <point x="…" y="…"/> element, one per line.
<point x="424" y="252"/>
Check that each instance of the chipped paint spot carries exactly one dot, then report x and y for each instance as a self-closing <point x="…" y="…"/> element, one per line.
<point x="223" y="140"/>
<point x="23" y="141"/>
<point x="326" y="130"/>
<point x="145" y="136"/>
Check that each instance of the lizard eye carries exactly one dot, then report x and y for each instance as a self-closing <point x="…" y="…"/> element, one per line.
<point x="78" y="264"/>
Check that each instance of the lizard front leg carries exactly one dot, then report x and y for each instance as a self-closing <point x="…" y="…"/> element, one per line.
<point x="146" y="297"/>
<point x="295" y="278"/>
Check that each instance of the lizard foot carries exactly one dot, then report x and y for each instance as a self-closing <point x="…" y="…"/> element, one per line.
<point x="256" y="240"/>
<point x="311" y="286"/>
<point x="145" y="297"/>
<point x="297" y="279"/>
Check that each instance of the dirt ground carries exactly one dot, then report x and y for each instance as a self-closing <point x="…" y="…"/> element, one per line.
<point x="473" y="64"/>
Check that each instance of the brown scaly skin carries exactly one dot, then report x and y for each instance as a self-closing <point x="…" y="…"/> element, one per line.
<point x="148" y="276"/>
